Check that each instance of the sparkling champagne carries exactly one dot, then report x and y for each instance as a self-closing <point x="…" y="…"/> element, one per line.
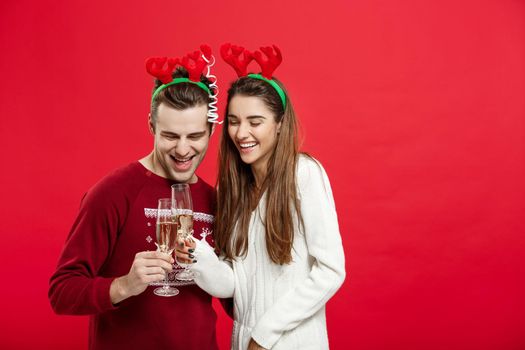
<point x="166" y="236"/>
<point x="166" y="240"/>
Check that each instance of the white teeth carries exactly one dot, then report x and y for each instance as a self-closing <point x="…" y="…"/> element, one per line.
<point x="182" y="160"/>
<point x="247" y="145"/>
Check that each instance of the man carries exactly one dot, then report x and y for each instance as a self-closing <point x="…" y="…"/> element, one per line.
<point x="110" y="258"/>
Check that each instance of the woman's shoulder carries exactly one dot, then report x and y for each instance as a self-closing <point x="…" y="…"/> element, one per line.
<point x="309" y="169"/>
<point x="312" y="182"/>
<point x="308" y="164"/>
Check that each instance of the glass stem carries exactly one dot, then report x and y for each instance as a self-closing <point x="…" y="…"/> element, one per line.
<point x="166" y="285"/>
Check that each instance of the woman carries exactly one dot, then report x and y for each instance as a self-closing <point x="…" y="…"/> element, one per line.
<point x="276" y="230"/>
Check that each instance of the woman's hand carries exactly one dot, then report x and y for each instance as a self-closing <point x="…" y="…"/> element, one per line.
<point x="184" y="251"/>
<point x="254" y="346"/>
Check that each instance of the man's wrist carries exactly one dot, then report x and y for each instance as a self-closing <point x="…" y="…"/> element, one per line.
<point x="118" y="290"/>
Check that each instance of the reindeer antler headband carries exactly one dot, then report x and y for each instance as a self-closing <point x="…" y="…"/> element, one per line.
<point x="239" y="58"/>
<point x="194" y="62"/>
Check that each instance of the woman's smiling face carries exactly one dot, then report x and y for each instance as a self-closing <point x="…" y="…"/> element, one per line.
<point x="253" y="130"/>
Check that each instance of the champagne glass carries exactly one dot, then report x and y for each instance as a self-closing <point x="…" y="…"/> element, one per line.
<point x="166" y="240"/>
<point x="181" y="195"/>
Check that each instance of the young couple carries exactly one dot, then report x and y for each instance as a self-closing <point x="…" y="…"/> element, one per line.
<point x="275" y="246"/>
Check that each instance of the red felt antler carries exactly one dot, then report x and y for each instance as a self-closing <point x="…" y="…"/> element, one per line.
<point x="194" y="64"/>
<point x="206" y="51"/>
<point x="157" y="67"/>
<point x="231" y="54"/>
<point x="273" y="60"/>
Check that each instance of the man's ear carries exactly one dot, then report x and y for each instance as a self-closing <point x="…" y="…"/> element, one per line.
<point x="150" y="125"/>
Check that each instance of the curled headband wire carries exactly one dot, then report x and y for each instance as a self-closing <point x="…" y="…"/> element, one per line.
<point x="162" y="68"/>
<point x="213" y="116"/>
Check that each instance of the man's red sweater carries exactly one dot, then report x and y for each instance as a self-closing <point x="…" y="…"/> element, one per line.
<point x="116" y="221"/>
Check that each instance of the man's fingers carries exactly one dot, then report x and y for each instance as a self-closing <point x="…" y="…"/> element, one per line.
<point x="160" y="263"/>
<point x="154" y="271"/>
<point x="146" y="263"/>
<point x="154" y="255"/>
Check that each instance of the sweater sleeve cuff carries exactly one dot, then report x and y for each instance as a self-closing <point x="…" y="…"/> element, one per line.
<point x="212" y="275"/>
<point x="101" y="297"/>
<point x="204" y="255"/>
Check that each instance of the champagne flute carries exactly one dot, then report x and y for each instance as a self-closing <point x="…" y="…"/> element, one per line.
<point x="166" y="240"/>
<point x="182" y="197"/>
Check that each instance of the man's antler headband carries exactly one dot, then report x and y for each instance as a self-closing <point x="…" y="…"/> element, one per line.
<point x="239" y="58"/>
<point x="194" y="62"/>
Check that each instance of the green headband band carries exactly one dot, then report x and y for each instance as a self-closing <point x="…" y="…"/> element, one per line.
<point x="274" y="85"/>
<point x="178" y="81"/>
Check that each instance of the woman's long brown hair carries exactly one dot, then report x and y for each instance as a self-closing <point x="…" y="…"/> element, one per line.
<point x="237" y="194"/>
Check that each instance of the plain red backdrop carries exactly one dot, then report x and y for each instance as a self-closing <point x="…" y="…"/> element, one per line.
<point x="415" y="108"/>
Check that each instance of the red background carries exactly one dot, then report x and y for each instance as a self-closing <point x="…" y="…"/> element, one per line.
<point x="415" y="108"/>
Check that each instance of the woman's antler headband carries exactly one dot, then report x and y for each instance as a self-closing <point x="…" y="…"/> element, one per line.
<point x="194" y="62"/>
<point x="239" y="58"/>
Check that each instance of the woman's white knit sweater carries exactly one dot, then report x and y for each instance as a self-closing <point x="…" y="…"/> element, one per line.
<point x="282" y="306"/>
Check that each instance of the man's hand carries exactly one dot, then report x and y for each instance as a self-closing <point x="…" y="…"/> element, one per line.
<point x="147" y="267"/>
<point x="254" y="346"/>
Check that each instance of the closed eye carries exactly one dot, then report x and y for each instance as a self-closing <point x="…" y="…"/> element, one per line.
<point x="169" y="136"/>
<point x="196" y="136"/>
